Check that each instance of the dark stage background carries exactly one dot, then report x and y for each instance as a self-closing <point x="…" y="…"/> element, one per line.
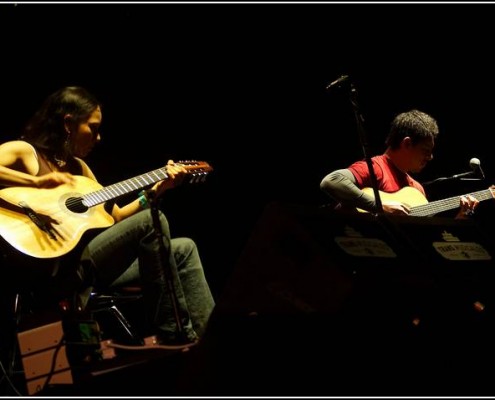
<point x="242" y="86"/>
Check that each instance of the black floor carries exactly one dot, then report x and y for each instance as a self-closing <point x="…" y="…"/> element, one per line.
<point x="301" y="356"/>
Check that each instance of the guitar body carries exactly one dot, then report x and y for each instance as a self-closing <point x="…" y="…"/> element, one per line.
<point x="408" y="195"/>
<point x="22" y="233"/>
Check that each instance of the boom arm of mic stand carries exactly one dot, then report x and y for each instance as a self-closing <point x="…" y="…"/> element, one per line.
<point x="462" y="177"/>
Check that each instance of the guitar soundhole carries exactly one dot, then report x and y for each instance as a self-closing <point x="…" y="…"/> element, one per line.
<point x="76" y="205"/>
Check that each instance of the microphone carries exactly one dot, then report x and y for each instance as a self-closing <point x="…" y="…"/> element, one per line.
<point x="475" y="164"/>
<point x="339" y="82"/>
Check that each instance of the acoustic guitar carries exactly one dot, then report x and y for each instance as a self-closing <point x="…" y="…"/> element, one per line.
<point x="48" y="223"/>
<point x="419" y="205"/>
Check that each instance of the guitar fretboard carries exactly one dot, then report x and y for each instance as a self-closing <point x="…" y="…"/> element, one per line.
<point x="124" y="187"/>
<point x="450" y="203"/>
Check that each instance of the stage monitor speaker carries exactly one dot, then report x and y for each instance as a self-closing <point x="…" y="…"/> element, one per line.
<point x="315" y="261"/>
<point x="302" y="259"/>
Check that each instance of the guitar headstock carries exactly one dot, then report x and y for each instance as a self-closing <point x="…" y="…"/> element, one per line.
<point x="197" y="170"/>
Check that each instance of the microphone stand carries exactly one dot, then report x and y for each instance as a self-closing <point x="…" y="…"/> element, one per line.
<point x="169" y="279"/>
<point x="364" y="143"/>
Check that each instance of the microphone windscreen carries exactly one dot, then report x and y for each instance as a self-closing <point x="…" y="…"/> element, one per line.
<point x="474" y="163"/>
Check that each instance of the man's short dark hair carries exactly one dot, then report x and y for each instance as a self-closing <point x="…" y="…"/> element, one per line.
<point x="415" y="124"/>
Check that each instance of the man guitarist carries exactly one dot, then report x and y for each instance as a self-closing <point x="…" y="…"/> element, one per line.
<point x="410" y="145"/>
<point x="40" y="221"/>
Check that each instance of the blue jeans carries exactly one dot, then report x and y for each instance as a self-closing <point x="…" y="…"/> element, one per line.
<point x="130" y="251"/>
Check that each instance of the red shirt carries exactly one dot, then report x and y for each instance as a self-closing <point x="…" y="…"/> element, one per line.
<point x="390" y="179"/>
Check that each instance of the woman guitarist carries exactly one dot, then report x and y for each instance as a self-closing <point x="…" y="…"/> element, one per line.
<point x="40" y="221"/>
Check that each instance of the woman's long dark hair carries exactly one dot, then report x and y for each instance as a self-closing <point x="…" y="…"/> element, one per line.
<point x="46" y="130"/>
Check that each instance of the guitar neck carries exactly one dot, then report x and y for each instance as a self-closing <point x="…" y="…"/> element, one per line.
<point x="450" y="203"/>
<point x="121" y="188"/>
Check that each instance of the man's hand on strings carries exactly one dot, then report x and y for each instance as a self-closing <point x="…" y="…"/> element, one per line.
<point x="468" y="205"/>
<point x="395" y="207"/>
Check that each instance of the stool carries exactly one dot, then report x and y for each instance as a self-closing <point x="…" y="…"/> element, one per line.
<point x="111" y="303"/>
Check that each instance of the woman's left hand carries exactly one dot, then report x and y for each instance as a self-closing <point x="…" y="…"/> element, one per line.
<point x="175" y="173"/>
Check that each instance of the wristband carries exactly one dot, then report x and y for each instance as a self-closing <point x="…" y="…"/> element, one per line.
<point x="143" y="200"/>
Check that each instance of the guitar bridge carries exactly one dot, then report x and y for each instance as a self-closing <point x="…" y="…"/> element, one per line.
<point x="33" y="216"/>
